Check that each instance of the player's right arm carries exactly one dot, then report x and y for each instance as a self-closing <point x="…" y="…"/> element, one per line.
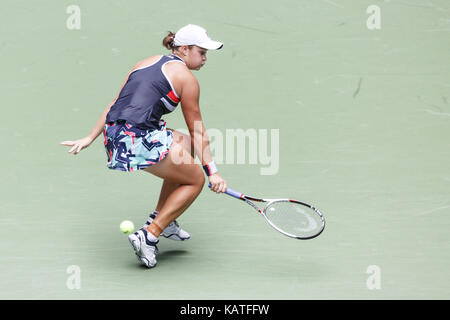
<point x="85" y="142"/>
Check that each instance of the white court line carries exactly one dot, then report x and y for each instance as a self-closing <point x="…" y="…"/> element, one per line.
<point x="333" y="3"/>
<point x="433" y="210"/>
<point x="437" y="113"/>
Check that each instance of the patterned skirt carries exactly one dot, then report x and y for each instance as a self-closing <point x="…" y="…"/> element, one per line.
<point x="129" y="148"/>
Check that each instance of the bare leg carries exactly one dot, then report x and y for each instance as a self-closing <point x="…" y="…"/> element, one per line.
<point x="166" y="189"/>
<point x="177" y="202"/>
<point x="182" y="177"/>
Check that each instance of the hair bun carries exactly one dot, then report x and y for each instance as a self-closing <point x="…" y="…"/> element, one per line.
<point x="168" y="41"/>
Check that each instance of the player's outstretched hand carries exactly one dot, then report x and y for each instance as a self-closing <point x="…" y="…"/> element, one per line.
<point x="218" y="184"/>
<point x="78" y="145"/>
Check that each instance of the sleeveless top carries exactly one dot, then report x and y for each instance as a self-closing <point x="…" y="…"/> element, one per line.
<point x="146" y="96"/>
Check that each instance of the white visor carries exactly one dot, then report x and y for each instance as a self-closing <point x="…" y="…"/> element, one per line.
<point x="195" y="35"/>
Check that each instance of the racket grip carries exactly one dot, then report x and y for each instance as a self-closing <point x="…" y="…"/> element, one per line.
<point x="232" y="193"/>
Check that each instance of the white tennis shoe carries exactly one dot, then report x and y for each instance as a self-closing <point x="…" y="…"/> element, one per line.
<point x="172" y="231"/>
<point x="145" y="249"/>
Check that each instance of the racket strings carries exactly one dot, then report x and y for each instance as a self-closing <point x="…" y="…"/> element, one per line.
<point x="294" y="218"/>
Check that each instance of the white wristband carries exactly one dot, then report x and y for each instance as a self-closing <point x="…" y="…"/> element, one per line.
<point x="210" y="168"/>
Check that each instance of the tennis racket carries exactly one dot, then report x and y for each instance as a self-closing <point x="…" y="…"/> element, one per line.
<point x="292" y="218"/>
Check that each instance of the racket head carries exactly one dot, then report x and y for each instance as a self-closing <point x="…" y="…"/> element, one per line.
<point x="294" y="218"/>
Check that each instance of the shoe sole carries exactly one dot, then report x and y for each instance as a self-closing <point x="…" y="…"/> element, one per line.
<point x="175" y="237"/>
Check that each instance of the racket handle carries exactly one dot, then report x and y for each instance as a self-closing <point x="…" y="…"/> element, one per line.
<point x="231" y="192"/>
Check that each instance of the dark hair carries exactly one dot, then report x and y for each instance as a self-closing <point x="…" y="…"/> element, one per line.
<point x="168" y="41"/>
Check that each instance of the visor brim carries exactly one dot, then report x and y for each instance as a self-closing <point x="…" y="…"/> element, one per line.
<point x="211" y="45"/>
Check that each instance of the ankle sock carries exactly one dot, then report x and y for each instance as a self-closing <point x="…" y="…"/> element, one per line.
<point x="154" y="229"/>
<point x="151" y="237"/>
<point x="154" y="214"/>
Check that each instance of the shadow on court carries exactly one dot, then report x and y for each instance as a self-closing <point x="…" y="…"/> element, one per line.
<point x="171" y="256"/>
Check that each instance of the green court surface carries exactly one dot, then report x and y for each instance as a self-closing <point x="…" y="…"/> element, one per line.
<point x="364" y="125"/>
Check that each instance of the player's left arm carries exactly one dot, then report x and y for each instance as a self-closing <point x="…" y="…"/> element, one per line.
<point x="199" y="137"/>
<point x="192" y="115"/>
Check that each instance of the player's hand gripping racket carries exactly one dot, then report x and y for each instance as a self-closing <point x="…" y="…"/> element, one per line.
<point x="292" y="218"/>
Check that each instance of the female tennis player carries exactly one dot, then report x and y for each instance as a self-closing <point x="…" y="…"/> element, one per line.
<point x="136" y="138"/>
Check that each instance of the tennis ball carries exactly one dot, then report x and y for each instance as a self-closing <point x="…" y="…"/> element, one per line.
<point x="126" y="227"/>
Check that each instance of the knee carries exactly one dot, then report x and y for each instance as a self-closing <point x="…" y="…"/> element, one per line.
<point x="199" y="178"/>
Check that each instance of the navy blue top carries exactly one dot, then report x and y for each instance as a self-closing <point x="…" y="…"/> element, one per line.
<point x="146" y="96"/>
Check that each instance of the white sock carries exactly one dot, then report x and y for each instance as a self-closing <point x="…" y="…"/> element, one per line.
<point x="151" y="237"/>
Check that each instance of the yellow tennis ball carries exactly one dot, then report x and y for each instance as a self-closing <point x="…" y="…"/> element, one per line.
<point x="126" y="227"/>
